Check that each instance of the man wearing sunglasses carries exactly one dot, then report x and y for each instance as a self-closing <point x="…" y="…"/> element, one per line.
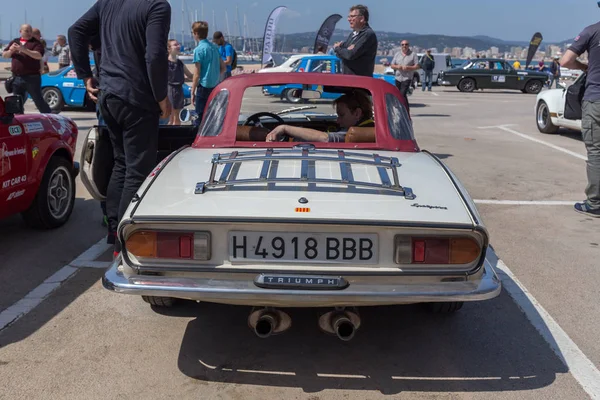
<point x="359" y="50"/>
<point x="405" y="63"/>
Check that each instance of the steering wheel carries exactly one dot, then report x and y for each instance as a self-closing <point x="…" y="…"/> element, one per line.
<point x="257" y="116"/>
<point x="254" y="120"/>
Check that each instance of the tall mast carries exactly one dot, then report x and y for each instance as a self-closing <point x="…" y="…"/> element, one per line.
<point x="182" y="25"/>
<point x="203" y="11"/>
<point x="214" y="24"/>
<point x="227" y="26"/>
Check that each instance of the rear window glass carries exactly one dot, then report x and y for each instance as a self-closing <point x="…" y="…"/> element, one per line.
<point x="212" y="123"/>
<point x="398" y="121"/>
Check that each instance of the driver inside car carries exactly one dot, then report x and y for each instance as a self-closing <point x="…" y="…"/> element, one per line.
<point x="352" y="110"/>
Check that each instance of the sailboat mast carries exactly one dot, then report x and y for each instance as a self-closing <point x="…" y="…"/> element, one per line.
<point x="227" y="26"/>
<point x="182" y="24"/>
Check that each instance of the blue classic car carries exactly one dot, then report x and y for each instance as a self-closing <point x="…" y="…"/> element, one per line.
<point x="327" y="64"/>
<point x="61" y="88"/>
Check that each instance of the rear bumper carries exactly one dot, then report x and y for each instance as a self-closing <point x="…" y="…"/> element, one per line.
<point x="361" y="291"/>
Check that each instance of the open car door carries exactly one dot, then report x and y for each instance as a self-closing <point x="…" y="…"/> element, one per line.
<point x="97" y="154"/>
<point x="574" y="99"/>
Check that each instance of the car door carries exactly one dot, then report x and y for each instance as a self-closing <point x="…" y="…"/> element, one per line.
<point x="73" y="89"/>
<point x="498" y="75"/>
<point x="480" y="73"/>
<point x="14" y="166"/>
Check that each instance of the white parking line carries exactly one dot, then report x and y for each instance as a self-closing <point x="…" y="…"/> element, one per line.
<point x="526" y="202"/>
<point x="40" y="293"/>
<point x="524" y="136"/>
<point x="582" y="369"/>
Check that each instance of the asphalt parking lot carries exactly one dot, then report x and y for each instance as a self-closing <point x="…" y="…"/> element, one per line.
<point x="537" y="340"/>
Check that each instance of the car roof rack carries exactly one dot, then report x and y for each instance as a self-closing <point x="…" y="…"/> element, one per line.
<point x="307" y="154"/>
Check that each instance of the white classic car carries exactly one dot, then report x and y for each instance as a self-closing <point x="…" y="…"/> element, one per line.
<point x="230" y="218"/>
<point x="560" y="108"/>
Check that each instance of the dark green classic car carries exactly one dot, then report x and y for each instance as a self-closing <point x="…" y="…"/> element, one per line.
<point x="493" y="73"/>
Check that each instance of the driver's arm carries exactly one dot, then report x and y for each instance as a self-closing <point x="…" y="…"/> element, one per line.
<point x="305" y="134"/>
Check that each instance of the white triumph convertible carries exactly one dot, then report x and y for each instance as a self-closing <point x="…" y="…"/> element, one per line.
<point x="229" y="217"/>
<point x="560" y="108"/>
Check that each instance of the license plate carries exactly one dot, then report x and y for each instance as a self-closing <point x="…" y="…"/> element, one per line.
<point x="342" y="248"/>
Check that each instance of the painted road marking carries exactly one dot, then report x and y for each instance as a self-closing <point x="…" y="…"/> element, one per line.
<point x="528" y="137"/>
<point x="45" y="289"/>
<point x="582" y="369"/>
<point x="527" y="202"/>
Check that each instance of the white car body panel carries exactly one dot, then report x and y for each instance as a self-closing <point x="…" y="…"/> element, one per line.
<point x="172" y="194"/>
<point x="555" y="99"/>
<point x="285" y="66"/>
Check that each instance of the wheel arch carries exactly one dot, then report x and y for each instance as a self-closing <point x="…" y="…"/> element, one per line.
<point x="58" y="149"/>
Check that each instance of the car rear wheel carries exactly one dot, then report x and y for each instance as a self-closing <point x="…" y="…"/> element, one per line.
<point x="159" y="301"/>
<point x="445" y="308"/>
<point x="466" y="85"/>
<point x="534" y="87"/>
<point x="53" y="97"/>
<point x="288" y="97"/>
<point x="53" y="203"/>
<point x="544" y="122"/>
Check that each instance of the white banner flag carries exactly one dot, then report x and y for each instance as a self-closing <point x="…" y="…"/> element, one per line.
<point x="269" y="38"/>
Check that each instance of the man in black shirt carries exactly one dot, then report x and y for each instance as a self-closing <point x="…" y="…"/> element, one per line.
<point x="133" y="84"/>
<point x="589" y="40"/>
<point x="359" y="50"/>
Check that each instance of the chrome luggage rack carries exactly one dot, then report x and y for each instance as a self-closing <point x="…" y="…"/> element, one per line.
<point x="306" y="154"/>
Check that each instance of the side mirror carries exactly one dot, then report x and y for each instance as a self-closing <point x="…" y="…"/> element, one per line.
<point x="186" y="115"/>
<point x="13" y="105"/>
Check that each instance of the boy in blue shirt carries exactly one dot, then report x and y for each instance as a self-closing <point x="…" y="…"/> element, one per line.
<point x="226" y="52"/>
<point x="208" y="68"/>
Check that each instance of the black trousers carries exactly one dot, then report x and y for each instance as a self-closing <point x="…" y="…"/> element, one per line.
<point x="31" y="84"/>
<point x="404" y="87"/>
<point x="134" y="136"/>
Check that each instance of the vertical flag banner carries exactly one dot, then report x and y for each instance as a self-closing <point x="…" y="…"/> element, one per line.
<point x="536" y="40"/>
<point x="324" y="34"/>
<point x="269" y="37"/>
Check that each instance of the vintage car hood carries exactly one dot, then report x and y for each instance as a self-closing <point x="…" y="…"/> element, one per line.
<point x="437" y="200"/>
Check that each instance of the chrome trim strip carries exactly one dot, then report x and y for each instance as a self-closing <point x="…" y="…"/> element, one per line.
<point x="385" y="179"/>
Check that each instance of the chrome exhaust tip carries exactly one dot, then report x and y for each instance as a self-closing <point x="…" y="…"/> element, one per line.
<point x="340" y="322"/>
<point x="268" y="321"/>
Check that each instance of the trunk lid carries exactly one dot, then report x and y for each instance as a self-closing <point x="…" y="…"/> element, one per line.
<point x="176" y="191"/>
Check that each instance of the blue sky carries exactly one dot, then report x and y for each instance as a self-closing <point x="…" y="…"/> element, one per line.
<point x="505" y="19"/>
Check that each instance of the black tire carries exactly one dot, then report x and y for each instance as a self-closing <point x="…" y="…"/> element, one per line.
<point x="53" y="97"/>
<point x="55" y="198"/>
<point x="288" y="97"/>
<point x="534" y="86"/>
<point x="543" y="120"/>
<point x="445" y="308"/>
<point x="467" y="85"/>
<point x="159" y="301"/>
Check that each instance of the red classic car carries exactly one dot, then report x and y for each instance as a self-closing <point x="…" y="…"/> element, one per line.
<point x="37" y="171"/>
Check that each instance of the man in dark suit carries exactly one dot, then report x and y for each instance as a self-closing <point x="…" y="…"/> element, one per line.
<point x="359" y="50"/>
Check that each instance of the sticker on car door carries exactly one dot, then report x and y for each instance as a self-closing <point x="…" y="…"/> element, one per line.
<point x="498" y="78"/>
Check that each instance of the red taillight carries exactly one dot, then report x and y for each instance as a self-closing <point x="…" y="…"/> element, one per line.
<point x="418" y="251"/>
<point x="431" y="250"/>
<point x="171" y="245"/>
<point x="435" y="250"/>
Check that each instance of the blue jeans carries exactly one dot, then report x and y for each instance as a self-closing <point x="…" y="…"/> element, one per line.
<point x="200" y="101"/>
<point x="427" y="77"/>
<point x="31" y="84"/>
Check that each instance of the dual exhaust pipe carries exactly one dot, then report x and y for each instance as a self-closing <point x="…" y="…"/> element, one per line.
<point x="270" y="321"/>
